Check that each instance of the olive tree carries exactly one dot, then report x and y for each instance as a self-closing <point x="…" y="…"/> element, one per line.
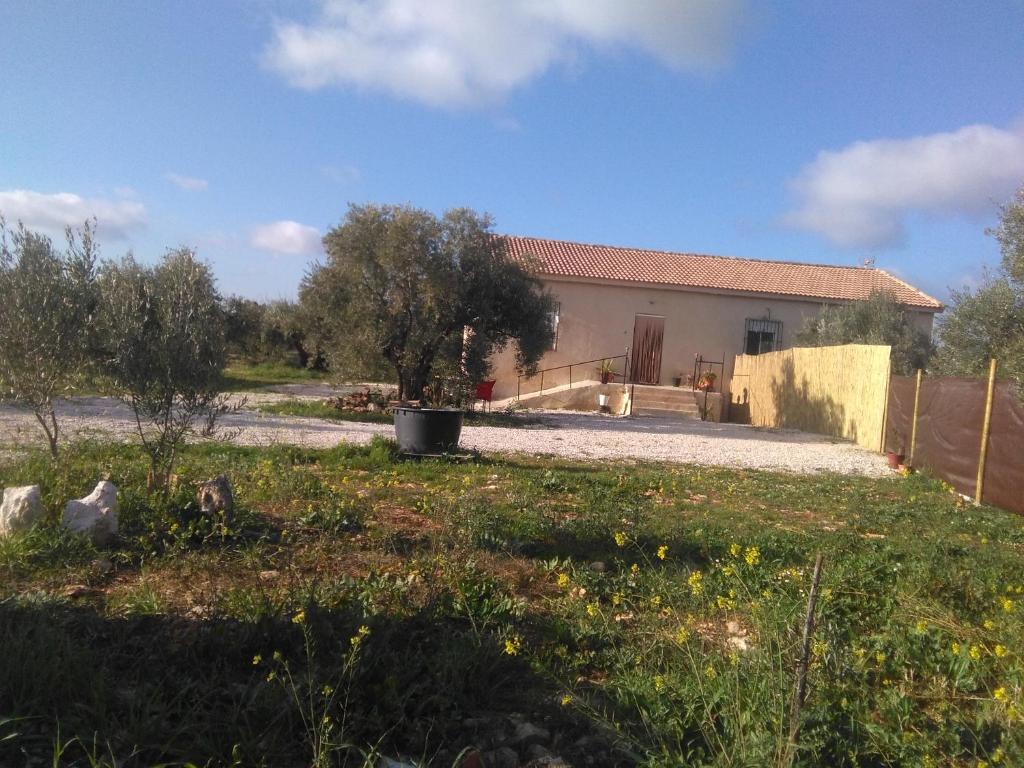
<point x="880" y="319"/>
<point x="989" y="321"/>
<point x="164" y="350"/>
<point x="422" y="300"/>
<point x="46" y="304"/>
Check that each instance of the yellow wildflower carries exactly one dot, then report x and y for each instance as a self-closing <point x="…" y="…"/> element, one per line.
<point x="728" y="570"/>
<point x="620" y="538"/>
<point x="921" y="626"/>
<point x="299" y="617"/>
<point x="999" y="694"/>
<point x="616" y="598"/>
<point x="358" y="637"/>
<point x="696" y="582"/>
<point x="975" y="652"/>
<point x="710" y="672"/>
<point x="592" y="610"/>
<point x="563" y="580"/>
<point x="634" y="569"/>
<point x="662" y="552"/>
<point x="997" y="755"/>
<point x="682" y="635"/>
<point x="989" y="624"/>
<point x="512" y="645"/>
<point x="752" y="555"/>
<point x="1000" y="651"/>
<point x="256" y="659"/>
<point x="1007" y="604"/>
<point x="656" y="601"/>
<point x="955" y="648"/>
<point x="879" y="657"/>
<point x="735" y="549"/>
<point x="566" y="700"/>
<point x="659" y="683"/>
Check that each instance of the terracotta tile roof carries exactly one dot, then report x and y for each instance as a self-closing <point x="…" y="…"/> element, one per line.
<point x="815" y="281"/>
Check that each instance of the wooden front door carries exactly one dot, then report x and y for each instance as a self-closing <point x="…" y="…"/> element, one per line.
<point x="648" y="333"/>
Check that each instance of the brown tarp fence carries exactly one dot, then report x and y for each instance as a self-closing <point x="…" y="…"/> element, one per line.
<point x="951" y="413"/>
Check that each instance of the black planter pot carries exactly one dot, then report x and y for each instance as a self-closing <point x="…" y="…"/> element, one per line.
<point x="427" y="431"/>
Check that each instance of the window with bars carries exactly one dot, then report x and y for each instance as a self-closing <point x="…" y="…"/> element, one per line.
<point x="762" y="335"/>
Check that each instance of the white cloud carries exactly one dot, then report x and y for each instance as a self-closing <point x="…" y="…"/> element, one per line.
<point x="287" y="237"/>
<point x="53" y="212"/>
<point x="861" y="195"/>
<point x="464" y="52"/>
<point x="191" y="183"/>
<point x="344" y="174"/>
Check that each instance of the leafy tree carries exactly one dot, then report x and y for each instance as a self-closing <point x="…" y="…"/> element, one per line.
<point x="46" y="303"/>
<point x="163" y="334"/>
<point x="989" y="322"/>
<point x="1010" y="234"/>
<point x="423" y="300"/>
<point x="283" y="332"/>
<point x="243" y="323"/>
<point x="880" y="319"/>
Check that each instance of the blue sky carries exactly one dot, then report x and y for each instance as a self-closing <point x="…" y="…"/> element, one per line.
<point x="824" y="132"/>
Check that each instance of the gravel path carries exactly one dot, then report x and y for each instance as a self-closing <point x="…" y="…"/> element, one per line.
<point x="573" y="435"/>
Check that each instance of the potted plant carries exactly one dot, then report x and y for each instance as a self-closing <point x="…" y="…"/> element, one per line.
<point x="606" y="370"/>
<point x="677" y="381"/>
<point x="707" y="380"/>
<point x="431" y="429"/>
<point x="602" y="401"/>
<point x="895" y="457"/>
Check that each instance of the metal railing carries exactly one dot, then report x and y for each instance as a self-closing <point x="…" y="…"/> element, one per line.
<point x="612" y="375"/>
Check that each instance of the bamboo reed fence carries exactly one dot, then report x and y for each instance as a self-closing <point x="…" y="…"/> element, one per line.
<point x="839" y="391"/>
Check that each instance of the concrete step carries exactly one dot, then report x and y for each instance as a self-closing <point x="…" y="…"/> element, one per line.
<point x="665" y="413"/>
<point x="664" y="402"/>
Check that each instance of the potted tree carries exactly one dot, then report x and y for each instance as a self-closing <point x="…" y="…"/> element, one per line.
<point x="425" y="301"/>
<point x="606" y="370"/>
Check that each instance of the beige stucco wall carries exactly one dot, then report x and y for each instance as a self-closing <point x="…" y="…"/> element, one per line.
<point x="596" y="320"/>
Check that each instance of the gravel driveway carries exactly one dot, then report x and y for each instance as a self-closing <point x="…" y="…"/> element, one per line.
<point x="573" y="435"/>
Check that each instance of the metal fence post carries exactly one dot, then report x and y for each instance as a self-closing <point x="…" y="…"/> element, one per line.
<point x="979" y="485"/>
<point x="913" y="424"/>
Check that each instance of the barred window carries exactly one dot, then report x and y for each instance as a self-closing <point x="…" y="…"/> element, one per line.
<point x="762" y="335"/>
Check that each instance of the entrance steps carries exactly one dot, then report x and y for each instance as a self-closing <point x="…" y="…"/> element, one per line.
<point x="665" y="402"/>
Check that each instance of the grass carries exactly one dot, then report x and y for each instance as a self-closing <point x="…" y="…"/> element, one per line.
<point x="318" y="409"/>
<point x="643" y="614"/>
<point x="245" y="376"/>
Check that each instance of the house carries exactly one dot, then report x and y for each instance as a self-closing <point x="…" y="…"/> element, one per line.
<point x="667" y="309"/>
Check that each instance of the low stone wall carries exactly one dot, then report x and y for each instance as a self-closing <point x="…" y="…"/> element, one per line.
<point x="716" y="404"/>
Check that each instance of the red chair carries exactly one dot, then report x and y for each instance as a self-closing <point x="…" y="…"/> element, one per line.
<point x="485" y="392"/>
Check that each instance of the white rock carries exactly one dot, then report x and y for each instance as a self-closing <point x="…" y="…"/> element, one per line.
<point x="95" y="515"/>
<point x="20" y="509"/>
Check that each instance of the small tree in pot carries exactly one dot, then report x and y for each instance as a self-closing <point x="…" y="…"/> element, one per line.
<point x="423" y="301"/>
